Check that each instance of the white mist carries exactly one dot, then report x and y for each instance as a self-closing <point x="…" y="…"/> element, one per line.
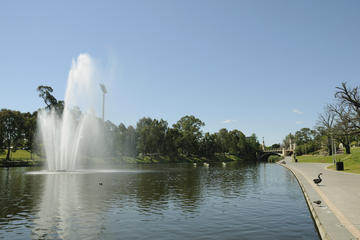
<point x="64" y="137"/>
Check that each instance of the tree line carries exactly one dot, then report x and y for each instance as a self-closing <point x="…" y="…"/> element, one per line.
<point x="183" y="141"/>
<point x="339" y="123"/>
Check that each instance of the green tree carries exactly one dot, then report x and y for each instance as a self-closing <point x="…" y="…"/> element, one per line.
<point x="29" y="131"/>
<point x="237" y="141"/>
<point x="50" y="101"/>
<point x="275" y="146"/>
<point x="304" y="135"/>
<point x="190" y="134"/>
<point x="131" y="141"/>
<point x="223" y="140"/>
<point x="111" y="136"/>
<point x="127" y="140"/>
<point x="172" y="142"/>
<point x="289" y="139"/>
<point x="11" y="130"/>
<point x="151" y="135"/>
<point x="252" y="145"/>
<point x="208" y="145"/>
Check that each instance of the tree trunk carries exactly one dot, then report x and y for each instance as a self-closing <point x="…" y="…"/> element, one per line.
<point x="347" y="148"/>
<point x="8" y="154"/>
<point x="329" y="146"/>
<point x="347" y="145"/>
<point x="31" y="155"/>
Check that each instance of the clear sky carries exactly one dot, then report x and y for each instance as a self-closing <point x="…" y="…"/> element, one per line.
<point x="263" y="67"/>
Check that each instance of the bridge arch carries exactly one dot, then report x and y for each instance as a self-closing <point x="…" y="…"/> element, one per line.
<point x="265" y="155"/>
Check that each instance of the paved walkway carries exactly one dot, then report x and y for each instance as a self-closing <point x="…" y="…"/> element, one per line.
<point x="338" y="215"/>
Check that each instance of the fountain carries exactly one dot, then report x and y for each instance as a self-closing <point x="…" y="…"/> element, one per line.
<point x="77" y="129"/>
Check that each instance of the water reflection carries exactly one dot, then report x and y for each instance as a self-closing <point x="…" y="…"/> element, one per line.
<point x="167" y="201"/>
<point x="61" y="212"/>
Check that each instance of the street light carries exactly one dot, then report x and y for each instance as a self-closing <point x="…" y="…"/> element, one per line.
<point x="104" y="91"/>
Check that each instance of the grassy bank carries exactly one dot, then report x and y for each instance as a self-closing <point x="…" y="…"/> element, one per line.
<point x="351" y="161"/>
<point x="20" y="158"/>
<point x="18" y="155"/>
<point x="274" y="158"/>
<point x="23" y="156"/>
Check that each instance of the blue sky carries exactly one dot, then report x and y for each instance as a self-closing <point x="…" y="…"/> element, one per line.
<point x="263" y="67"/>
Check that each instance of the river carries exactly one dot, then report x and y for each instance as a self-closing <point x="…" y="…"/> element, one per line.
<point x="179" y="201"/>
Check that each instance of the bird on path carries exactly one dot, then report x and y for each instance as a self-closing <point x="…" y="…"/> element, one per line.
<point x="318" y="180"/>
<point x="317" y="202"/>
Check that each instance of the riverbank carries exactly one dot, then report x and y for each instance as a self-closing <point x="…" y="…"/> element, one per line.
<point x="338" y="215"/>
<point x="23" y="163"/>
<point x="178" y="159"/>
<point x="21" y="158"/>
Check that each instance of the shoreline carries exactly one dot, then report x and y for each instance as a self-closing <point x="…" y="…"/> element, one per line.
<point x="329" y="217"/>
<point x="16" y="163"/>
<point x="132" y="160"/>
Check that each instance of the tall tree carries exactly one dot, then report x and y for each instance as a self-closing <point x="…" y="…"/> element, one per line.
<point x="208" y="145"/>
<point x="252" y="145"/>
<point x="350" y="97"/>
<point x="11" y="129"/>
<point x="111" y="136"/>
<point x="172" y="143"/>
<point x="45" y="92"/>
<point x="326" y="123"/>
<point x="343" y="129"/>
<point x="29" y="131"/>
<point x="223" y="140"/>
<point x="127" y="140"/>
<point x="189" y="128"/>
<point x="151" y="135"/>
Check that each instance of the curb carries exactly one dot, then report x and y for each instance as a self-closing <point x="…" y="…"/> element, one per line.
<point x="319" y="227"/>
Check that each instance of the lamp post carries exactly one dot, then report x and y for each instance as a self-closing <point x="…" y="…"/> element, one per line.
<point x="104" y="91"/>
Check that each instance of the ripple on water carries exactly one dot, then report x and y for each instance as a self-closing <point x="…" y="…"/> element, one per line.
<point x="156" y="202"/>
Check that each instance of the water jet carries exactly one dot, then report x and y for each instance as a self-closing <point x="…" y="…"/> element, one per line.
<point x="77" y="129"/>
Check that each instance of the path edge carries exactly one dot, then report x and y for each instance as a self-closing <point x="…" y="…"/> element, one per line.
<point x="319" y="226"/>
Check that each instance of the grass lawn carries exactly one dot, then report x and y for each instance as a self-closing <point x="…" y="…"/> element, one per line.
<point x="351" y="161"/>
<point x="18" y="155"/>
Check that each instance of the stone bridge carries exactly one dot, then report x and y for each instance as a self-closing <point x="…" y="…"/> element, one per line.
<point x="283" y="152"/>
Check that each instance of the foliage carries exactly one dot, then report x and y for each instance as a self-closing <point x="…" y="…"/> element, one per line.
<point x="275" y="146"/>
<point x="339" y="123"/>
<point x="151" y="136"/>
<point x="151" y="141"/>
<point x="274" y="158"/>
<point x="29" y="131"/>
<point x="189" y="134"/>
<point x="49" y="100"/>
<point x="154" y="141"/>
<point x="11" y="130"/>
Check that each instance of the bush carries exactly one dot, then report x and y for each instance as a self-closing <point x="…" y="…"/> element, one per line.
<point x="274" y="158"/>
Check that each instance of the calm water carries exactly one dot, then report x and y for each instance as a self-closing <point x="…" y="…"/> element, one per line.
<point x="239" y="201"/>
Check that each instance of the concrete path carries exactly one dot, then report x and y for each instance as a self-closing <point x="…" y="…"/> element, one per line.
<point x="338" y="215"/>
